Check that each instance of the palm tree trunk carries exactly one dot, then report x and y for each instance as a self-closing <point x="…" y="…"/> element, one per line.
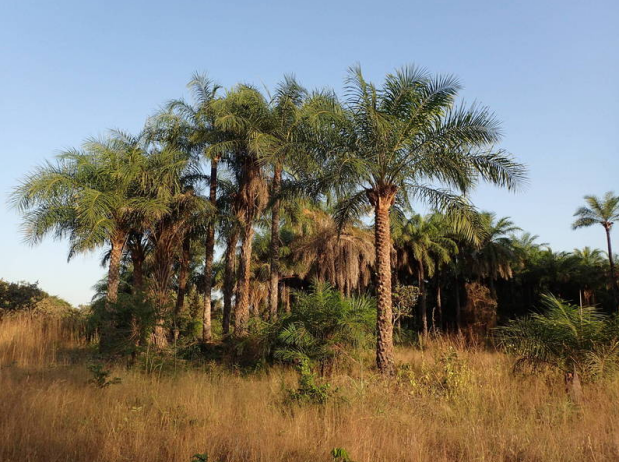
<point x="457" y="300"/>
<point x="109" y="326"/>
<point x="242" y="307"/>
<point x="274" y="270"/>
<point x="422" y="286"/>
<point x="439" y="305"/>
<point x="209" y="246"/>
<point x="137" y="260"/>
<point x="382" y="199"/>
<point x="183" y="276"/>
<point x="229" y="279"/>
<point x="114" y="275"/>
<point x="612" y="269"/>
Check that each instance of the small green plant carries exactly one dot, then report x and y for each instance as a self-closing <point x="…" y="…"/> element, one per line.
<point x="578" y="341"/>
<point x="101" y="376"/>
<point x="308" y="392"/>
<point x="448" y="376"/>
<point x="204" y="457"/>
<point x="341" y="455"/>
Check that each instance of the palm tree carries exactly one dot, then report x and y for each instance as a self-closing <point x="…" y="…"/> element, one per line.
<point x="90" y="196"/>
<point x="423" y="245"/>
<point x="321" y="251"/>
<point x="282" y="146"/>
<point x="406" y="140"/>
<point x="602" y="211"/>
<point x="573" y="339"/>
<point x="244" y="114"/>
<point x="494" y="257"/>
<point x="200" y="118"/>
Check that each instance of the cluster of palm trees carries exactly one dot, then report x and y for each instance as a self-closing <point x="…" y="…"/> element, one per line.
<point x="280" y="185"/>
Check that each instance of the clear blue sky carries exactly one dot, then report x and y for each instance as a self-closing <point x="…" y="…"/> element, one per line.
<point x="549" y="69"/>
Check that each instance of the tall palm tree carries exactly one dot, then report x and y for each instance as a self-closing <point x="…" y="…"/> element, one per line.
<point x="244" y="114"/>
<point x="406" y="140"/>
<point x="200" y="117"/>
<point x="423" y="245"/>
<point x="602" y="211"/>
<point x="92" y="196"/>
<point x="494" y="257"/>
<point x="283" y="147"/>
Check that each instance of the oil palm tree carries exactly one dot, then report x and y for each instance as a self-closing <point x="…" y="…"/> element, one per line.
<point x="423" y="245"/>
<point x="321" y="251"/>
<point x="284" y="148"/>
<point x="91" y="196"/>
<point x="406" y="140"/>
<point x="244" y="114"/>
<point x="495" y="256"/>
<point x="602" y="211"/>
<point x="200" y="118"/>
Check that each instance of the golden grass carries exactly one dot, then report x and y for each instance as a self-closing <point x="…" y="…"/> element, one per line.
<point x="449" y="404"/>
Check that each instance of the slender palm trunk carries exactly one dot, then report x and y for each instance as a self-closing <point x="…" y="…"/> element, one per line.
<point x="274" y="270"/>
<point x="242" y="307"/>
<point x="114" y="275"/>
<point x="183" y="277"/>
<point x="107" y="333"/>
<point x="382" y="199"/>
<point x="612" y="269"/>
<point x="209" y="246"/>
<point x="137" y="260"/>
<point x="439" y="304"/>
<point x="457" y="301"/>
<point x="229" y="279"/>
<point x="422" y="299"/>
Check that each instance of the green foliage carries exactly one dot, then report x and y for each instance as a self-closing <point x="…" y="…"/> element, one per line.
<point x="603" y="211"/>
<point x="204" y="457"/>
<point x="448" y="376"/>
<point x="101" y="376"/>
<point x="566" y="337"/>
<point x="404" y="300"/>
<point x="341" y="455"/>
<point x="308" y="391"/>
<point x="323" y="325"/>
<point x="19" y="296"/>
<point x="133" y="318"/>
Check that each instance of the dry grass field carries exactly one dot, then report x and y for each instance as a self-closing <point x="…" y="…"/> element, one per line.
<point x="448" y="404"/>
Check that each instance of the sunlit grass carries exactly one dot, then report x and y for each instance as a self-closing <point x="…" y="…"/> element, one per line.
<point x="448" y="404"/>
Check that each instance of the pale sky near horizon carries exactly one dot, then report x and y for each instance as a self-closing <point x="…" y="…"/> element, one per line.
<point x="548" y="69"/>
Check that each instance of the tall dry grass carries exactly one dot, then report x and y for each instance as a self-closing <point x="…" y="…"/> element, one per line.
<point x="448" y="404"/>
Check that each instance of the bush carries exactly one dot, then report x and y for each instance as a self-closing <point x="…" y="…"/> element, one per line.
<point x="566" y="337"/>
<point x="324" y="325"/>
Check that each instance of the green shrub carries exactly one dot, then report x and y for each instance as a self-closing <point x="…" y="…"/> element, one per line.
<point x="308" y="391"/>
<point x="573" y="339"/>
<point x="324" y="325"/>
<point x="101" y="376"/>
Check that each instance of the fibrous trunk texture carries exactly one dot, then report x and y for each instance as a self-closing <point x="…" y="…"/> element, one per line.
<point x="612" y="269"/>
<point x="209" y="246"/>
<point x="242" y="307"/>
<point x="229" y="279"/>
<point x="183" y="276"/>
<point x="422" y="299"/>
<point x="382" y="199"/>
<point x="274" y="270"/>
<point x="107" y="333"/>
<point x="251" y="200"/>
